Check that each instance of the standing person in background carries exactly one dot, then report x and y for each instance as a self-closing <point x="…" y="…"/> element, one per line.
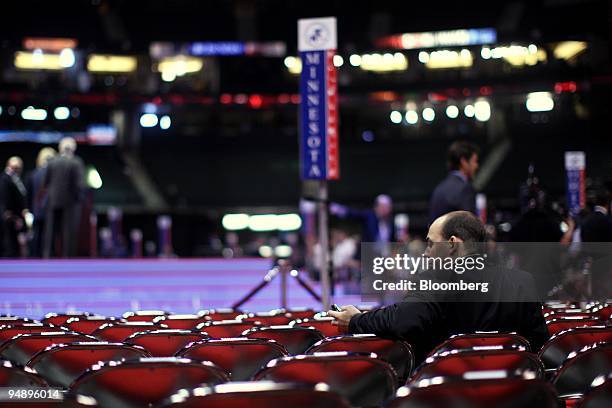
<point x="456" y="192"/>
<point x="597" y="226"/>
<point x="38" y="198"/>
<point x="378" y="225"/>
<point x="64" y="183"/>
<point x="13" y="206"/>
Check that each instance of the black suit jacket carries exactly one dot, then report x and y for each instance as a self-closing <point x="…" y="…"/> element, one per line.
<point x="452" y="194"/>
<point x="596" y="227"/>
<point x="12" y="195"/>
<point x="64" y="181"/>
<point x="427" y="319"/>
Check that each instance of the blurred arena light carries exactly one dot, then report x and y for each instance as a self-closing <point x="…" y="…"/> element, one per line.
<point x="452" y="111"/>
<point x="355" y="60"/>
<point x="429" y="114"/>
<point x="235" y="222"/>
<point x="283" y="251"/>
<point x="469" y="111"/>
<point x="516" y="55"/>
<point x="148" y="120"/>
<point x="111" y="63"/>
<point x="569" y="49"/>
<point x="396" y="117"/>
<point x="412" y="117"/>
<point x="31" y="113"/>
<point x="293" y="64"/>
<point x="49" y="44"/>
<point x="67" y="58"/>
<point x="265" y="251"/>
<point x="93" y="178"/>
<point x="482" y="110"/>
<point x="61" y="113"/>
<point x="338" y="60"/>
<point x="179" y="65"/>
<point x="263" y="222"/>
<point x="38" y="59"/>
<point x="165" y="122"/>
<point x="449" y="59"/>
<point x="539" y="102"/>
<point x="384" y="62"/>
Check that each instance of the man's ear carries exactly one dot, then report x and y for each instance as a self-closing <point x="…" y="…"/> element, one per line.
<point x="454" y="242"/>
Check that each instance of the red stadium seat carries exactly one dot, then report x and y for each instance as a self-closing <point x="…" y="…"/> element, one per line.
<point x="14" y="320"/>
<point x="121" y="331"/>
<point x="362" y="379"/>
<point x="573" y="313"/>
<point x="8" y="332"/>
<point x="274" y="318"/>
<point x="164" y="343"/>
<point x="60" y="319"/>
<point x="322" y="324"/>
<point x="581" y="368"/>
<point x="143" y="315"/>
<point x="604" y="312"/>
<point x="555" y="326"/>
<point x="262" y="394"/>
<point x="556" y="350"/>
<point x="481" y="339"/>
<point x="88" y="324"/>
<point x="144" y="381"/>
<point x="61" y="364"/>
<point x="484" y="393"/>
<point x="397" y="353"/>
<point x="295" y="339"/>
<point x="225" y="328"/>
<point x="181" y="321"/>
<point x="453" y="364"/>
<point x="240" y="357"/>
<point x="12" y="376"/>
<point x="600" y="395"/>
<point x="220" y="314"/>
<point x="300" y="313"/>
<point x="21" y="348"/>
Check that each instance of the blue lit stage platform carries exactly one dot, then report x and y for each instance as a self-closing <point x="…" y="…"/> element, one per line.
<point x="32" y="288"/>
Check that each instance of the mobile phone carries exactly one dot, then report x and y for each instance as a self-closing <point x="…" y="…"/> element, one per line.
<point x="335" y="308"/>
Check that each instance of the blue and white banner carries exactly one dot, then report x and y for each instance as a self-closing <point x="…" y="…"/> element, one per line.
<point x="319" y="99"/>
<point x="575" y="164"/>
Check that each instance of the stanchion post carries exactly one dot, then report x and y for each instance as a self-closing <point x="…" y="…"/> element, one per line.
<point x="324" y="243"/>
<point x="283" y="269"/>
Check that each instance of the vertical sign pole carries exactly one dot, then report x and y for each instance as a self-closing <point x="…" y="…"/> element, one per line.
<point x="324" y="243"/>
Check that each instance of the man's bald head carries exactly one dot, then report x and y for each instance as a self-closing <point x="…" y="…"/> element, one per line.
<point x="67" y="146"/>
<point x="458" y="226"/>
<point x="15" y="164"/>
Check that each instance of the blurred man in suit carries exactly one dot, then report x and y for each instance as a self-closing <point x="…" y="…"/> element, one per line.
<point x="64" y="183"/>
<point x="37" y="198"/>
<point x="12" y="206"/>
<point x="597" y="226"/>
<point x="455" y="192"/>
<point x="378" y="225"/>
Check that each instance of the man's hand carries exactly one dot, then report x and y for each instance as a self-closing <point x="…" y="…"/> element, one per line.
<point x="344" y="317"/>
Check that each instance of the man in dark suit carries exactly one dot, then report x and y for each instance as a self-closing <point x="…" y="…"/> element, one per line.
<point x="425" y="319"/>
<point x="597" y="226"/>
<point x="455" y="192"/>
<point x="378" y="225"/>
<point x="64" y="184"/>
<point x="12" y="206"/>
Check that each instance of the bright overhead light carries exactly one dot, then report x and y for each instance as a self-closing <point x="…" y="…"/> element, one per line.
<point x="569" y="49"/>
<point x="449" y="59"/>
<point x="67" y="58"/>
<point x="485" y="53"/>
<point x="265" y="251"/>
<point x="384" y="62"/>
<point x="148" y="120"/>
<point x="93" y="178"/>
<point x="263" y="222"/>
<point x="482" y="111"/>
<point x="293" y="64"/>
<point x="111" y="63"/>
<point x="288" y="222"/>
<point x="61" y="113"/>
<point x="283" y="251"/>
<point x="168" y="76"/>
<point x="38" y="60"/>
<point x="412" y="117"/>
<point x="165" y="122"/>
<point x="429" y="114"/>
<point x="235" y="222"/>
<point x="30" y="113"/>
<point x="396" y="117"/>
<point x="355" y="60"/>
<point x="469" y="111"/>
<point x="539" y="102"/>
<point x="180" y="65"/>
<point x="338" y="60"/>
<point x="452" y="111"/>
<point x="423" y="57"/>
